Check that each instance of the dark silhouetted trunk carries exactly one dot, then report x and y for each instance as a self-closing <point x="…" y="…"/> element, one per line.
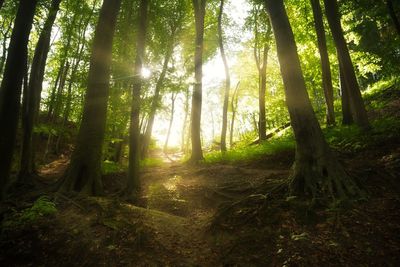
<point x="84" y="172"/>
<point x="347" y="118"/>
<point x="133" y="183"/>
<point x="316" y="172"/>
<point x="34" y="93"/>
<point x="199" y="11"/>
<point x="11" y="86"/>
<point x="393" y="16"/>
<point x="227" y="79"/>
<point x="356" y="102"/>
<point x="325" y="64"/>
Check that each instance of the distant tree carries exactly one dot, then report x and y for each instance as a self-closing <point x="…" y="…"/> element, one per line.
<point x="34" y="91"/>
<point x="11" y="86"/>
<point x="199" y="7"/>
<point x="358" y="110"/>
<point x="227" y="79"/>
<point x="325" y="64"/>
<point x="133" y="183"/>
<point x="316" y="171"/>
<point x="84" y="172"/>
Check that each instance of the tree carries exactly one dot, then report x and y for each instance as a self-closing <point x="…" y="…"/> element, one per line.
<point x="133" y="182"/>
<point x="199" y="7"/>
<point x="393" y="16"/>
<point x="358" y="110"/>
<point x="84" y="172"/>
<point x="325" y="64"/>
<point x="261" y="42"/>
<point x="227" y="79"/>
<point x="10" y="89"/>
<point x="34" y="92"/>
<point x="316" y="171"/>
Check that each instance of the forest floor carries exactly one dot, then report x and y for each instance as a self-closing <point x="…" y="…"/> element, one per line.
<point x="212" y="215"/>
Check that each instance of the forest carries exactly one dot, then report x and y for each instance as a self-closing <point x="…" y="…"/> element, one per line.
<point x="200" y="133"/>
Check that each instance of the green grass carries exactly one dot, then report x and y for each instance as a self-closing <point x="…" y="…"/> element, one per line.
<point x="252" y="152"/>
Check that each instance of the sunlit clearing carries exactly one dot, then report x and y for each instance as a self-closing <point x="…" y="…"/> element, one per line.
<point x="146" y="73"/>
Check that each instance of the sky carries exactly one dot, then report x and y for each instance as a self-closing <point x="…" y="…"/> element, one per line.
<point x="213" y="79"/>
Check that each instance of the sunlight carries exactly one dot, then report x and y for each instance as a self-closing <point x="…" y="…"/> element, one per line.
<point x="146" y="73"/>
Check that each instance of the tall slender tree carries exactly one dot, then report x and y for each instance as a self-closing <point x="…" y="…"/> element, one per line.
<point x="34" y="92"/>
<point x="10" y="89"/>
<point x="84" y="172"/>
<point x="199" y="7"/>
<point x="358" y="110"/>
<point x="133" y="182"/>
<point x="316" y="171"/>
<point x="227" y="79"/>
<point x="325" y="64"/>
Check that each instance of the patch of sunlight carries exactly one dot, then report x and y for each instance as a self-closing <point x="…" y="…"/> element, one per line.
<point x="171" y="184"/>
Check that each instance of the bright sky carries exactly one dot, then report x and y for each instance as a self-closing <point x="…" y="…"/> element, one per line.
<point x="213" y="78"/>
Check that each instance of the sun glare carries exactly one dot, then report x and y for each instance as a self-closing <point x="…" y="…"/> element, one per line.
<point x="146" y="73"/>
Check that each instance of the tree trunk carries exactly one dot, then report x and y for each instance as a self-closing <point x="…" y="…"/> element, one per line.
<point x="34" y="92"/>
<point x="186" y="110"/>
<point x="392" y="13"/>
<point x="154" y="104"/>
<point x="171" y="119"/>
<point x="234" y="102"/>
<point x="316" y="172"/>
<point x="4" y="46"/>
<point x="356" y="102"/>
<point x="133" y="183"/>
<point x="227" y="79"/>
<point x="84" y="172"/>
<point x="325" y="64"/>
<point x="347" y="118"/>
<point x="199" y="12"/>
<point x="262" y="127"/>
<point x="10" y="90"/>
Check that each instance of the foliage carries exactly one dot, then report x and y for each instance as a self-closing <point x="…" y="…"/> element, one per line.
<point x="41" y="208"/>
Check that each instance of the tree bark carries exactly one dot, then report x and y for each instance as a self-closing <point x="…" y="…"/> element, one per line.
<point x="199" y="12"/>
<point x="227" y="79"/>
<point x="393" y="16"/>
<point x="325" y="64"/>
<point x="347" y="118"/>
<point x="234" y="102"/>
<point x="10" y="90"/>
<point x="133" y="183"/>
<point x="34" y="92"/>
<point x="316" y="172"/>
<point x="356" y="102"/>
<point x="84" y="172"/>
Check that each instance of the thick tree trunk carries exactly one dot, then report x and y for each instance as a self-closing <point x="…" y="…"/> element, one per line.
<point x="84" y="172"/>
<point x="227" y="79"/>
<point x="133" y="183"/>
<point x="356" y="102"/>
<point x="393" y="16"/>
<point x="325" y="64"/>
<point x="234" y="102"/>
<point x="199" y="11"/>
<point x="316" y="172"/>
<point x="185" y="123"/>
<point x="10" y="90"/>
<point x="347" y="117"/>
<point x="34" y="92"/>
<point x="171" y="119"/>
<point x="154" y="104"/>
